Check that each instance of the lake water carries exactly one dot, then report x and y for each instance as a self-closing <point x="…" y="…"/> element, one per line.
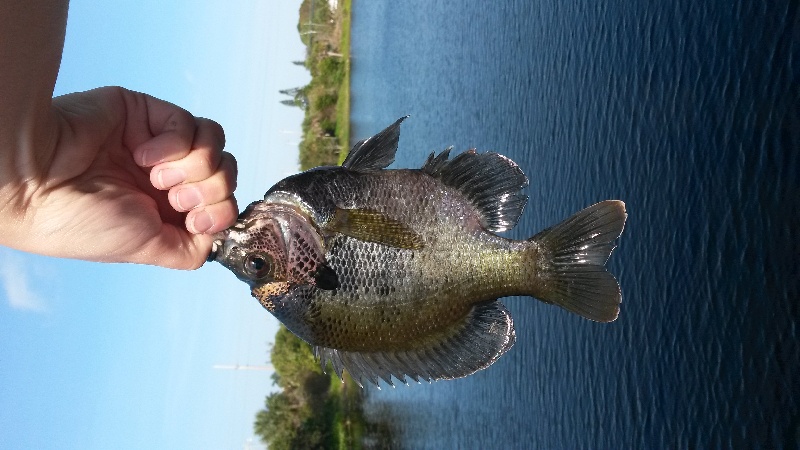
<point x="689" y="112"/>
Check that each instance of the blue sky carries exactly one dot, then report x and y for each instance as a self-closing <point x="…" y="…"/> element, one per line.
<point x="99" y="356"/>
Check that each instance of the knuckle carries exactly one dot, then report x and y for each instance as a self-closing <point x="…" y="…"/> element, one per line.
<point x="229" y="163"/>
<point x="214" y="130"/>
<point x="231" y="178"/>
<point x="205" y="161"/>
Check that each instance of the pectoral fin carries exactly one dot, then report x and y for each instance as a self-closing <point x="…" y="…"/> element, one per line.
<point x="373" y="226"/>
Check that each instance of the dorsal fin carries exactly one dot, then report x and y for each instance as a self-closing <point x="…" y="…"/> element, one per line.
<point x="469" y="346"/>
<point x="376" y="152"/>
<point x="489" y="180"/>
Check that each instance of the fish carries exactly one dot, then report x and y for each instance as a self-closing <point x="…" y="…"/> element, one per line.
<point x="396" y="274"/>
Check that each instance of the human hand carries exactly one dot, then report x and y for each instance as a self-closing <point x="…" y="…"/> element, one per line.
<point x="119" y="176"/>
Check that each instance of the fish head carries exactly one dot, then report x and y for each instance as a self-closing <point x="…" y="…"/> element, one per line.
<point x="272" y="243"/>
<point x="255" y="247"/>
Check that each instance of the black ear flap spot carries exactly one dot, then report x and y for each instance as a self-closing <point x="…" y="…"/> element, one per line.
<point x="326" y="278"/>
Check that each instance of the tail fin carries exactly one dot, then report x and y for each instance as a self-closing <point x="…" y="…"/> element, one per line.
<point x="575" y="252"/>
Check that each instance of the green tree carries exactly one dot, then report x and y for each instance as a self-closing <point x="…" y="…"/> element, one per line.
<point x="277" y="424"/>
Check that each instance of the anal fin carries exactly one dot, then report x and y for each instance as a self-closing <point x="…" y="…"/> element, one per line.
<point x="492" y="182"/>
<point x="467" y="347"/>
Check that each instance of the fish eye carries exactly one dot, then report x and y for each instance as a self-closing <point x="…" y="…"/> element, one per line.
<point x="258" y="265"/>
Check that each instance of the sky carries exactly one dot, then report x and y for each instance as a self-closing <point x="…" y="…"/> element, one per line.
<point x="99" y="356"/>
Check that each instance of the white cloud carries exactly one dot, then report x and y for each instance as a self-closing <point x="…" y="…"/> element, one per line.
<point x="15" y="285"/>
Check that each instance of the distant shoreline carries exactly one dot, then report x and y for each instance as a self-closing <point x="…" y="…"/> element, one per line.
<point x="343" y="105"/>
<point x="326" y="98"/>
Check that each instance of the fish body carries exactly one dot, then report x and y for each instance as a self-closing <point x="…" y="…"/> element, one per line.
<point x="395" y="273"/>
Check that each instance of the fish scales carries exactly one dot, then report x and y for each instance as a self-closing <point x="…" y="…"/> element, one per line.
<point x="396" y="273"/>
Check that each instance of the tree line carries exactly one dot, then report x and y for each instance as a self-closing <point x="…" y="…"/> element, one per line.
<point x="325" y="123"/>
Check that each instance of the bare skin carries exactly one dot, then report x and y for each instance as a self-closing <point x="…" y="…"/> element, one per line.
<point x="105" y="175"/>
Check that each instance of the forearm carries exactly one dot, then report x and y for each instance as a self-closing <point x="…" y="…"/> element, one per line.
<point x="31" y="41"/>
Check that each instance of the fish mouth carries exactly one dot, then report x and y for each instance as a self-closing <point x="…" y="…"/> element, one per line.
<point x="216" y="246"/>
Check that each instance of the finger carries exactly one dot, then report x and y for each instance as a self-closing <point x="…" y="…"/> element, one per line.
<point x="216" y="188"/>
<point x="212" y="218"/>
<point x="176" y="249"/>
<point x="172" y="129"/>
<point x="199" y="164"/>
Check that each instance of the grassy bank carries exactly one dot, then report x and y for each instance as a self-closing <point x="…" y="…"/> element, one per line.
<point x="343" y="101"/>
<point x="326" y="99"/>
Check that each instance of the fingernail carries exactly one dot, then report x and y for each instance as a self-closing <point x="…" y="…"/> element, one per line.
<point x="188" y="198"/>
<point x="201" y="222"/>
<point x="151" y="157"/>
<point x="170" y="177"/>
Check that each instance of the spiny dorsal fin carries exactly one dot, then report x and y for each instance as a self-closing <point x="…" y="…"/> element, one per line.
<point x="489" y="180"/>
<point x="376" y="152"/>
<point x="474" y="344"/>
